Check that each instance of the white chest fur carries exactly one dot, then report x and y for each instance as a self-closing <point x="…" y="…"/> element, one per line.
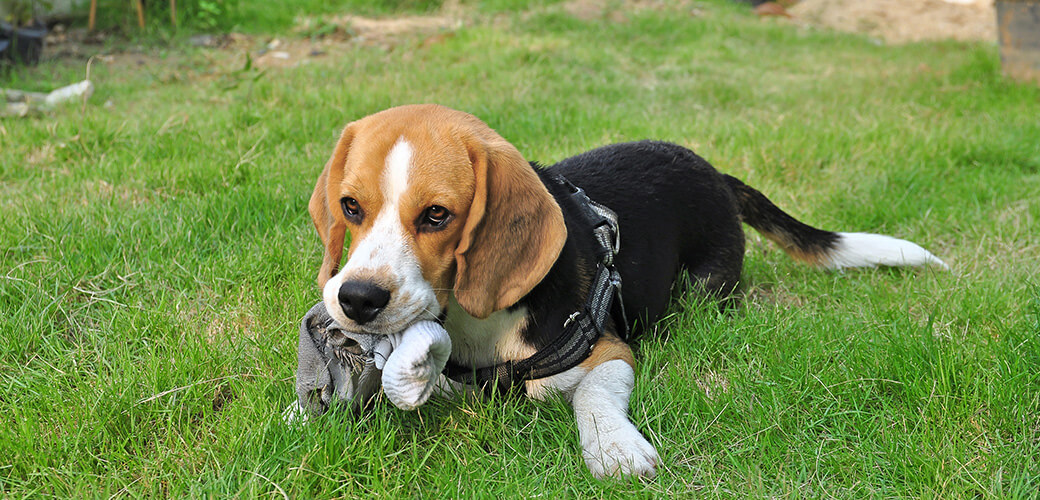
<point x="483" y="342"/>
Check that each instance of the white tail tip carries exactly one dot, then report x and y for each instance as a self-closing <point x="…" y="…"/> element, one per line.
<point x="872" y="250"/>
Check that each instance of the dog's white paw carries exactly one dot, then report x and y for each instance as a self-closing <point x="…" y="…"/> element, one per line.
<point x="414" y="363"/>
<point x="622" y="452"/>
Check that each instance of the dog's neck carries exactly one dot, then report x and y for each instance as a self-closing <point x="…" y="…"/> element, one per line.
<point x="565" y="288"/>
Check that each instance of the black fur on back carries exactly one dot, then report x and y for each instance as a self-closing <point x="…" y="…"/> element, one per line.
<point x="676" y="214"/>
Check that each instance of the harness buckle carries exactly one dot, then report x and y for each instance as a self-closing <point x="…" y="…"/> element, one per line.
<point x="572" y="318"/>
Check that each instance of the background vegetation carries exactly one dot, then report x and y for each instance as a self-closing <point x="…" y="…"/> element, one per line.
<point x="156" y="256"/>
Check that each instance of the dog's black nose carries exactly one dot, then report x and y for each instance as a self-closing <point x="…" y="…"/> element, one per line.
<point x="362" y="300"/>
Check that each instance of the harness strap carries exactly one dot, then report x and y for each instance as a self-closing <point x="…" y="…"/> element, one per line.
<point x="582" y="329"/>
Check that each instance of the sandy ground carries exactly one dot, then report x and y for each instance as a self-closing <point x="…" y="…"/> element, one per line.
<point x="901" y="21"/>
<point x="894" y="21"/>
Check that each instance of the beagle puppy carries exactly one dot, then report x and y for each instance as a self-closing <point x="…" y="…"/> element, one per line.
<point x="448" y="222"/>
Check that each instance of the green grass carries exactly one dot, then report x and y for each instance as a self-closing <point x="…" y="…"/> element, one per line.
<point x="156" y="255"/>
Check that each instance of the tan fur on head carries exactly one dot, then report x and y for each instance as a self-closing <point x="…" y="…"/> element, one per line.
<point x="514" y="232"/>
<point x="509" y="230"/>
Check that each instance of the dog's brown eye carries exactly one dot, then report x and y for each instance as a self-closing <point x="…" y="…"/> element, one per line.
<point x="435" y="217"/>
<point x="351" y="208"/>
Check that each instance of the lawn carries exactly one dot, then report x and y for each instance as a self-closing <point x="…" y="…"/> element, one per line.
<point x="156" y="256"/>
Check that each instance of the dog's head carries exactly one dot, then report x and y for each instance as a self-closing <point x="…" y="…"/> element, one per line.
<point x="436" y="204"/>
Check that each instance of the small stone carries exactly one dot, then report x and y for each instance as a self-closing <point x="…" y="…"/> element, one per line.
<point x="203" y="41"/>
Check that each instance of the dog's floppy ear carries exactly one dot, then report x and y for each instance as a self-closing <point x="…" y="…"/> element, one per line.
<point x="324" y="211"/>
<point x="514" y="231"/>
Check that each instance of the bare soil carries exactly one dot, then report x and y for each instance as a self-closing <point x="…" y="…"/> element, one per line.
<point x="903" y="21"/>
<point x="312" y="38"/>
<point x="894" y="21"/>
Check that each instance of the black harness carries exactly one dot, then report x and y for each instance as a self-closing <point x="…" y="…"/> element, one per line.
<point x="582" y="328"/>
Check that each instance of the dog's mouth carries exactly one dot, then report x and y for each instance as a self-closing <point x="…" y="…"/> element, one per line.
<point x="406" y="306"/>
<point x="351" y="348"/>
<point x="396" y="322"/>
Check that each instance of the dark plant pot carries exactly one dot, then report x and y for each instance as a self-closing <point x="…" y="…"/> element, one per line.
<point x="21" y="45"/>
<point x="1018" y="27"/>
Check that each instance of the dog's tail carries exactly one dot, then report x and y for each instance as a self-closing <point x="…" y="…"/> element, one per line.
<point x="826" y="249"/>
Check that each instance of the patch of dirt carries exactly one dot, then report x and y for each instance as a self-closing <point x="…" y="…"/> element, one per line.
<point x="903" y="21"/>
<point x="222" y="395"/>
<point x="42" y="155"/>
<point x="233" y="324"/>
<point x="712" y="383"/>
<point x="894" y="21"/>
<point x="124" y="195"/>
<point x="324" y="35"/>
<point x="617" y="10"/>
<point x="373" y="30"/>
<point x="312" y="38"/>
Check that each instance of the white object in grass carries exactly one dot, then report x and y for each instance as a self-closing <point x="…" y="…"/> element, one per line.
<point x="412" y="362"/>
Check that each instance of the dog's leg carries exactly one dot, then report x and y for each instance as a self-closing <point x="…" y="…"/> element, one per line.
<point x="611" y="444"/>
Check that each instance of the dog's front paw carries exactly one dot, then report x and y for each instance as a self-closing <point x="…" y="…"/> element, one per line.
<point x="622" y="452"/>
<point x="412" y="369"/>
